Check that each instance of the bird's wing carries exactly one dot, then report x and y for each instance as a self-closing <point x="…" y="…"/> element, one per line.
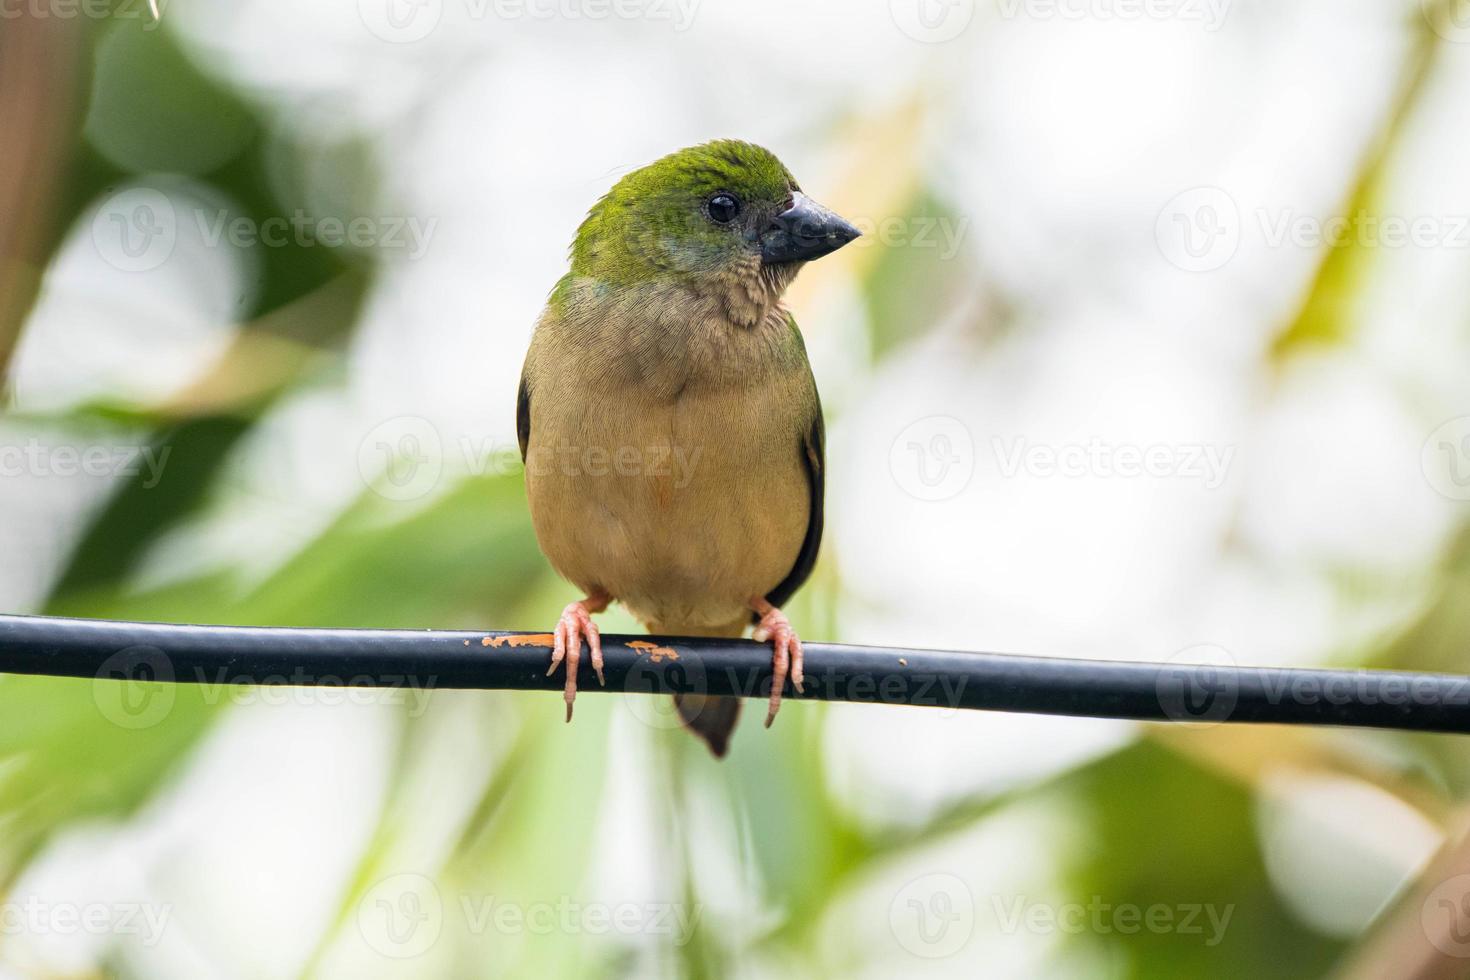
<point x="523" y="416"/>
<point x="813" y="449"/>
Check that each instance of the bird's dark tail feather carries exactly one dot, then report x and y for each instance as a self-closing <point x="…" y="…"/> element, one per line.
<point x="711" y="718"/>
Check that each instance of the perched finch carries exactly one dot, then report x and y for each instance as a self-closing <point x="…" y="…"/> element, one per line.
<point x="668" y="417"/>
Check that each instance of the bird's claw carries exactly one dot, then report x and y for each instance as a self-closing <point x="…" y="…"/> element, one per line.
<point x="574" y="626"/>
<point x="786" y="652"/>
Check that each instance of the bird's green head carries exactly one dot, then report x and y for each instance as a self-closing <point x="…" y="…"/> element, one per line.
<point x="727" y="214"/>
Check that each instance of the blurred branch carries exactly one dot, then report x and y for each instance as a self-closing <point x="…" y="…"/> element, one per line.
<point x="38" y="100"/>
<point x="1326" y="314"/>
<point x="430" y="659"/>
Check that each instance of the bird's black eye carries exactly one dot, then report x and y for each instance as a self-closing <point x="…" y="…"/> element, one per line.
<point x="723" y="208"/>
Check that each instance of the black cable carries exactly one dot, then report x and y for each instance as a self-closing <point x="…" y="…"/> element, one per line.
<point x="430" y="659"/>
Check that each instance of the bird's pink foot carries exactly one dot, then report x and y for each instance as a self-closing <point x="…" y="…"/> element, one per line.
<point x="574" y="626"/>
<point x="786" y="651"/>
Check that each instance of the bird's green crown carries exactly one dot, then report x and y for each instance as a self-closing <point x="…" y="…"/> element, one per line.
<point x="690" y="214"/>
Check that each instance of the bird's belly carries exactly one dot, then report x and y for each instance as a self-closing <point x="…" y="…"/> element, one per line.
<point x="683" y="511"/>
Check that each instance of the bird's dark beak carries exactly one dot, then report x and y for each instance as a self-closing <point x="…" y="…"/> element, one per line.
<point x="804" y="231"/>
